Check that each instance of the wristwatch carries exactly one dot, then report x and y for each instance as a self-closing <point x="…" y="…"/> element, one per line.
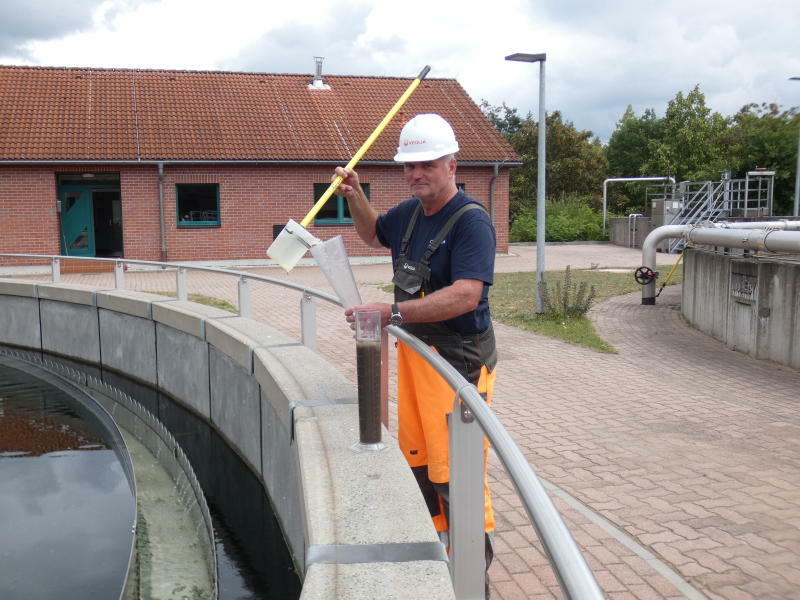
<point x="396" y="318"/>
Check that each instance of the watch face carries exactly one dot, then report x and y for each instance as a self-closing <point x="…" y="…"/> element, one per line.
<point x="396" y="319"/>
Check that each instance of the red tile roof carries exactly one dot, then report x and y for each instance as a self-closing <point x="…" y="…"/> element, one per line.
<point x="116" y="114"/>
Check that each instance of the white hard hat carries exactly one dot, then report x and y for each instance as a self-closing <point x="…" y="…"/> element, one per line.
<point x="426" y="137"/>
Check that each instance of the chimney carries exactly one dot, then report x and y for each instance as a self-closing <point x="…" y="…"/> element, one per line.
<point x="318" y="84"/>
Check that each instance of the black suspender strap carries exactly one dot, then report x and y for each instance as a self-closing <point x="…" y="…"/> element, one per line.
<point x="433" y="245"/>
<point x="409" y="230"/>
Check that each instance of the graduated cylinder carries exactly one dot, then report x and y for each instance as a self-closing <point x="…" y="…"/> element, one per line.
<point x="368" y="364"/>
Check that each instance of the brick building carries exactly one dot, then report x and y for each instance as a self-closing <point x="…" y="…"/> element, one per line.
<point x="188" y="165"/>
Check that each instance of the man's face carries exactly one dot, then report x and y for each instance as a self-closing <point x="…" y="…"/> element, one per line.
<point x="431" y="180"/>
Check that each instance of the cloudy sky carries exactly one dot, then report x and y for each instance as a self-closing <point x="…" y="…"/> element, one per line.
<point x="601" y="56"/>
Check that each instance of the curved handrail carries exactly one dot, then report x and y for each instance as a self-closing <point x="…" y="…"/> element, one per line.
<point x="569" y="565"/>
<point x="574" y="575"/>
<point x="172" y="265"/>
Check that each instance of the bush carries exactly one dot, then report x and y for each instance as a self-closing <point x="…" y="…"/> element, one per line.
<point x="566" y="301"/>
<point x="569" y="219"/>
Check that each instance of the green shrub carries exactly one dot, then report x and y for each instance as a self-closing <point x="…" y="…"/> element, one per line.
<point x="569" y="219"/>
<point x="566" y="300"/>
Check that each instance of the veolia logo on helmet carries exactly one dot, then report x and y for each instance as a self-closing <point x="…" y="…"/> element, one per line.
<point x="414" y="142"/>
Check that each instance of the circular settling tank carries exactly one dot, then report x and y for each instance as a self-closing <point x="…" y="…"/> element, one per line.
<point x="67" y="499"/>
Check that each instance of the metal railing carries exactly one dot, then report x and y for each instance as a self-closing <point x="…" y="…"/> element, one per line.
<point x="470" y="421"/>
<point x="709" y="201"/>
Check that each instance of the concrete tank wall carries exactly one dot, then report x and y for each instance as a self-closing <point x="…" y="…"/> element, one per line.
<point x="290" y="415"/>
<point x="750" y="303"/>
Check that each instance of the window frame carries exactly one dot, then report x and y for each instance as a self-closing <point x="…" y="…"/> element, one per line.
<point x="194" y="224"/>
<point x="318" y="190"/>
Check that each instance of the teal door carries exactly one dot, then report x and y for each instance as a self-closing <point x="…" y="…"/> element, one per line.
<point x="77" y="223"/>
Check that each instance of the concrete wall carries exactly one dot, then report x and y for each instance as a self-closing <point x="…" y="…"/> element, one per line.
<point x="287" y="413"/>
<point x="750" y="303"/>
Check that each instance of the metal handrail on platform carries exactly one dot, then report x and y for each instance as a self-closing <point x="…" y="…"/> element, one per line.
<point x="470" y="421"/>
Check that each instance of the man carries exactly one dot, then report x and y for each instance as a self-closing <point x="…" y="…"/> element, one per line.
<point x="443" y="249"/>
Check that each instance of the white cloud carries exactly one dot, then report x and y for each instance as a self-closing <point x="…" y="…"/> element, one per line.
<point x="601" y="56"/>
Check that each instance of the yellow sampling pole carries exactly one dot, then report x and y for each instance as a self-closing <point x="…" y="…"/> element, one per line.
<point x="293" y="241"/>
<point x="363" y="150"/>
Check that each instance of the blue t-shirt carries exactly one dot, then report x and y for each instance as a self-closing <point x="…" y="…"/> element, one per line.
<point x="467" y="252"/>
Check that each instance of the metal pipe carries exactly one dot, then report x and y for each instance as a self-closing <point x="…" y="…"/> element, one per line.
<point x="161" y="228"/>
<point x="784" y="224"/>
<point x="754" y="237"/>
<point x="616" y="179"/>
<point x="541" y="214"/>
<point x="649" y="247"/>
<point x="771" y="240"/>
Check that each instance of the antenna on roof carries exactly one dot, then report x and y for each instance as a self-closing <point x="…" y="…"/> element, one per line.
<point x="318" y="84"/>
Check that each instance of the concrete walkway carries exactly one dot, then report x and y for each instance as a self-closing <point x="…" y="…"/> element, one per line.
<point x="676" y="463"/>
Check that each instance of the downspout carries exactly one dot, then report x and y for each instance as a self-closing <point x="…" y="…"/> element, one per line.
<point x="162" y="232"/>
<point x="496" y="167"/>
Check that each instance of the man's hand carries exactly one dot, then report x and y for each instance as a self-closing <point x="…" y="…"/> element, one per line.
<point x="386" y="312"/>
<point x="364" y="216"/>
<point x="350" y="184"/>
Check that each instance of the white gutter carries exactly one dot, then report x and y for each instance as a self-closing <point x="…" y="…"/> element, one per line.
<point x="616" y="179"/>
<point x="760" y="235"/>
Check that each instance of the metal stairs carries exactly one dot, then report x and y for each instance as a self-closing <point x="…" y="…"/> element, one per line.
<point x="709" y="201"/>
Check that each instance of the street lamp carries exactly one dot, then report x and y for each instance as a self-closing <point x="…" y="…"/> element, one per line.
<point x="540" y="177"/>
<point x="796" y="211"/>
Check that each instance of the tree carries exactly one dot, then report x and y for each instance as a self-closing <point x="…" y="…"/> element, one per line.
<point x="575" y="162"/>
<point x="503" y="117"/>
<point x="690" y="148"/>
<point x="627" y="150"/>
<point x="765" y="136"/>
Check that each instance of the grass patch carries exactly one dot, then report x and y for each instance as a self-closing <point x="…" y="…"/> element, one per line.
<point x="513" y="302"/>
<point x="201" y="299"/>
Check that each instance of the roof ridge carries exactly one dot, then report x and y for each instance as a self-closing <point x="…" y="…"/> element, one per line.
<point x="210" y="72"/>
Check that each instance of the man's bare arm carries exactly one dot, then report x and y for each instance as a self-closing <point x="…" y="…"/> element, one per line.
<point x="447" y="303"/>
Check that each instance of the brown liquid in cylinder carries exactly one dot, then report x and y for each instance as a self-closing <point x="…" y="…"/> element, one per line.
<point x="368" y="362"/>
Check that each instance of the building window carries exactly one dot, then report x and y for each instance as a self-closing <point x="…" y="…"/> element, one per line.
<point x="197" y="204"/>
<point x="335" y="211"/>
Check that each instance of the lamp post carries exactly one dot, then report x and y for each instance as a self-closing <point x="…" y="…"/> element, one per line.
<point x="796" y="211"/>
<point x="540" y="177"/>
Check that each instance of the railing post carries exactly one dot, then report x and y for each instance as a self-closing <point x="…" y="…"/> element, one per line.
<point x="385" y="378"/>
<point x="467" y="517"/>
<point x="308" y="322"/>
<point x="180" y="283"/>
<point x="119" y="275"/>
<point x="244" y="298"/>
<point x="55" y="268"/>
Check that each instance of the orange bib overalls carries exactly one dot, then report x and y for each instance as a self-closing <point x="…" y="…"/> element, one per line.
<point x="424" y="399"/>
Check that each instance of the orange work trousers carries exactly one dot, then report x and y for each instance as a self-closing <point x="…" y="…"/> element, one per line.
<point x="424" y="400"/>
